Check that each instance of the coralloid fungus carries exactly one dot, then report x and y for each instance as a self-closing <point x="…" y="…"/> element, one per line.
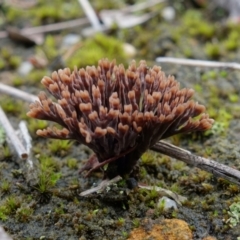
<point x="118" y="113"/>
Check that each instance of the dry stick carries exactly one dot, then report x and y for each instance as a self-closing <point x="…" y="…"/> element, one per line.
<point x="211" y="166"/>
<point x="17" y="93"/>
<point x="104" y="184"/>
<point x="30" y="167"/>
<point x="4" y="235"/>
<point x="92" y="16"/>
<point x="198" y="63"/>
<point x="50" y="27"/>
<point x="10" y="132"/>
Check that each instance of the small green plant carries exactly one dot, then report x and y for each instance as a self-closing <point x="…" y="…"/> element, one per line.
<point x="2" y="135"/>
<point x="47" y="181"/>
<point x="59" y="147"/>
<point x="95" y="48"/>
<point x="212" y="50"/>
<point x="234" y="213"/>
<point x="6" y="152"/>
<point x="12" y="203"/>
<point x="5" y="186"/>
<point x="120" y="221"/>
<point x="24" y="213"/>
<point x="72" y="163"/>
<point x="3" y="213"/>
<point x="136" y="222"/>
<point x="9" y="105"/>
<point x="34" y="125"/>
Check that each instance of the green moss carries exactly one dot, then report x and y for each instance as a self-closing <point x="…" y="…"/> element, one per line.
<point x="48" y="164"/>
<point x="196" y="25"/>
<point x="47" y="180"/>
<point x="93" y="49"/>
<point x="72" y="163"/>
<point x="45" y="12"/>
<point x="11" y="203"/>
<point x="6" y="152"/>
<point x="34" y="125"/>
<point x="8" y="59"/>
<point x="231" y="43"/>
<point x="212" y="50"/>
<point x="24" y="213"/>
<point x="50" y="47"/>
<point x="48" y="175"/>
<point x="59" y="147"/>
<point x="223" y="73"/>
<point x="5" y="186"/>
<point x="234" y="213"/>
<point x="2" y="64"/>
<point x="233" y="97"/>
<point x="11" y="106"/>
<point x="14" y="62"/>
<point x="2" y="135"/>
<point x="3" y="213"/>
<point x="35" y="77"/>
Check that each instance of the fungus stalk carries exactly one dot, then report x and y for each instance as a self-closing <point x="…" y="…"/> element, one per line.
<point x="118" y="113"/>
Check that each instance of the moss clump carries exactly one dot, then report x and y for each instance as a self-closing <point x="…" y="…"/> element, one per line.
<point x="96" y="48"/>
<point x="11" y="106"/>
<point x="34" y="125"/>
<point x="196" y="26"/>
<point x="45" y="12"/>
<point x="212" y="50"/>
<point x="24" y="213"/>
<point x="8" y="60"/>
<point x="59" y="147"/>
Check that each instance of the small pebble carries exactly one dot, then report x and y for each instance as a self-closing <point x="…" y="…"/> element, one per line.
<point x="168" y="13"/>
<point x="25" y="68"/>
<point x="70" y="39"/>
<point x="166" y="203"/>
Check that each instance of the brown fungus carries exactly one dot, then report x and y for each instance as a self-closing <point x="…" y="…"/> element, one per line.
<point x="117" y="113"/>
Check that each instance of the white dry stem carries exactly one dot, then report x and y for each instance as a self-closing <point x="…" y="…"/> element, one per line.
<point x="92" y="16"/>
<point x="4" y="235"/>
<point x="16" y="93"/>
<point x="103" y="185"/>
<point x="12" y="136"/>
<point x="165" y="192"/>
<point x="217" y="169"/>
<point x="198" y="63"/>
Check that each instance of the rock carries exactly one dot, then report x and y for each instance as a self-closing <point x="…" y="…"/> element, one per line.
<point x="166" y="203"/>
<point x="168" y="13"/>
<point x="25" y="68"/>
<point x="129" y="49"/>
<point x="209" y="238"/>
<point x="167" y="229"/>
<point x="70" y="39"/>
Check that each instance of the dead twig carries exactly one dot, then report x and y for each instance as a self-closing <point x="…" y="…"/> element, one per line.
<point x="16" y="93"/>
<point x="4" y="235"/>
<point x="49" y="27"/>
<point x="30" y="166"/>
<point x="103" y="185"/>
<point x="198" y="63"/>
<point x="165" y="192"/>
<point x="92" y="16"/>
<point x="13" y="138"/>
<point x="217" y="169"/>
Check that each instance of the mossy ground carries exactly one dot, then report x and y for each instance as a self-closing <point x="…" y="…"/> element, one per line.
<point x="53" y="209"/>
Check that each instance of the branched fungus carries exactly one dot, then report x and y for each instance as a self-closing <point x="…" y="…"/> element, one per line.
<point x="119" y="113"/>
